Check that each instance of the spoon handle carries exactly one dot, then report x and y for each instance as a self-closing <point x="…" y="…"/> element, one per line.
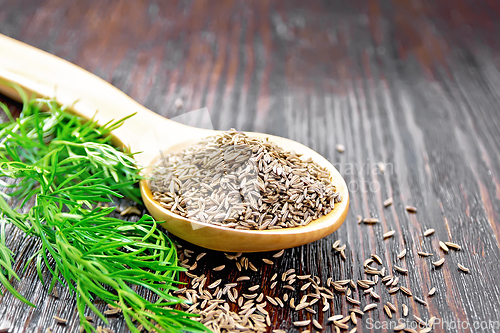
<point x="46" y="75"/>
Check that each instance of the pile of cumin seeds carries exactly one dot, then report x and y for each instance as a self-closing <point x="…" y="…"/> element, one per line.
<point x="243" y="182"/>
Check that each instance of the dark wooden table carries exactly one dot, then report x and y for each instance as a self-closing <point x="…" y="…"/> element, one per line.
<point x="410" y="84"/>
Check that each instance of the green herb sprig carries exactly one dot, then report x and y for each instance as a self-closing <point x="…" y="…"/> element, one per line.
<point x="66" y="165"/>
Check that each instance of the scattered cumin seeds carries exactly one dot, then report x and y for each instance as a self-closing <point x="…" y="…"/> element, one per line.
<point x="370" y="307"/>
<point x="267" y="261"/>
<point x="401" y="269"/>
<point x="370" y="220"/>
<point x="60" y="320"/>
<point x="443" y="246"/>
<point x="432" y="291"/>
<point x="453" y="245"/>
<point x="301" y="323"/>
<point x="388" y="202"/>
<point x="463" y="268"/>
<point x="219" y="268"/>
<point x="389" y="234"/>
<point x="405" y="290"/>
<point x="411" y="209"/>
<point x="419" y="300"/>
<point x="335" y="318"/>
<point x="317" y="324"/>
<point x="400" y="327"/>
<point x="428" y="232"/>
<point x="402" y="254"/>
<point x="405" y="310"/>
<point x="439" y="262"/>
<point x="279" y="254"/>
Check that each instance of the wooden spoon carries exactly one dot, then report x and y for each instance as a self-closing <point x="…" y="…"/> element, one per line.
<point x="46" y="75"/>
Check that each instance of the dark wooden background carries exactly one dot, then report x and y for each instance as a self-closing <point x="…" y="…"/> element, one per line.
<point x="414" y="84"/>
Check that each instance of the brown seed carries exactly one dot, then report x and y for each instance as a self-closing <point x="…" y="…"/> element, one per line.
<point x="357" y="311"/>
<point x="301" y="323"/>
<point x="419" y="300"/>
<point x="370" y="307"/>
<point x="370" y="220"/>
<point x="388" y="311"/>
<point x="453" y="245"/>
<point x="60" y="320"/>
<point x="439" y="262"/>
<point x="219" y="268"/>
<point x="463" y="268"/>
<point x="254" y="288"/>
<point x="428" y="232"/>
<point x="89" y="318"/>
<point x="402" y="254"/>
<point x="424" y="254"/>
<point x="335" y="318"/>
<point x="405" y="310"/>
<point x="267" y="261"/>
<point x="341" y="325"/>
<point x="389" y="234"/>
<point x="215" y="284"/>
<point x="406" y="291"/>
<point x="410" y="330"/>
<point x="411" y="209"/>
<point x="353" y="318"/>
<point x="352" y="300"/>
<point x="377" y="259"/>
<point x="201" y="255"/>
<point x="393" y="290"/>
<point x="401" y="270"/>
<point x="400" y="327"/>
<point x="388" y="202"/>
<point x="317" y="324"/>
<point x="374" y="295"/>
<point x="243" y="278"/>
<point x="112" y="312"/>
<point x="392" y="307"/>
<point x="443" y="246"/>
<point x="432" y="291"/>
<point x="279" y="254"/>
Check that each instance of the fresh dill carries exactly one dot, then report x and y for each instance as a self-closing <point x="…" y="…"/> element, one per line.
<point x="64" y="166"/>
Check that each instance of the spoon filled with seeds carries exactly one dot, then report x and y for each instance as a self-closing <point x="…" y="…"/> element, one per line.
<point x="228" y="191"/>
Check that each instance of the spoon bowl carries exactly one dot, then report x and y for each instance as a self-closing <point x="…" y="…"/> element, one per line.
<point x="44" y="75"/>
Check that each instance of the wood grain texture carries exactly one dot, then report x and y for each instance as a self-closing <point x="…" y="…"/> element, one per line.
<point x="413" y="84"/>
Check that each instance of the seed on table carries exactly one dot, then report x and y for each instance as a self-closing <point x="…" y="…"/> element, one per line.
<point x="60" y="320"/>
<point x="89" y="318"/>
<point x="401" y="270"/>
<point x="377" y="259"/>
<point x="388" y="202"/>
<point x="243" y="278"/>
<point x="411" y="209"/>
<point x="317" y="324"/>
<point x="370" y="220"/>
<point x="400" y="327"/>
<point x="424" y="254"/>
<point x="405" y="290"/>
<point x="301" y="323"/>
<point x="389" y="234"/>
<point x="393" y="290"/>
<point x="428" y="232"/>
<point x="443" y="246"/>
<point x="357" y="311"/>
<point x="392" y="307"/>
<point x="432" y="291"/>
<point x="201" y="255"/>
<point x="335" y="318"/>
<point x="278" y="300"/>
<point x="341" y="325"/>
<point x="252" y="267"/>
<point x="254" y="288"/>
<point x="453" y="245"/>
<point x="301" y="306"/>
<point x="353" y="318"/>
<point x="419" y="300"/>
<point x="419" y="320"/>
<point x="340" y="148"/>
<point x="193" y="267"/>
<point x="439" y="262"/>
<point x="410" y="330"/>
<point x="267" y="261"/>
<point x="219" y="268"/>
<point x="279" y="254"/>
<point x="463" y="268"/>
<point x="352" y="300"/>
<point x="405" y="310"/>
<point x="388" y="311"/>
<point x="275" y="275"/>
<point x="370" y="307"/>
<point x="402" y="254"/>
